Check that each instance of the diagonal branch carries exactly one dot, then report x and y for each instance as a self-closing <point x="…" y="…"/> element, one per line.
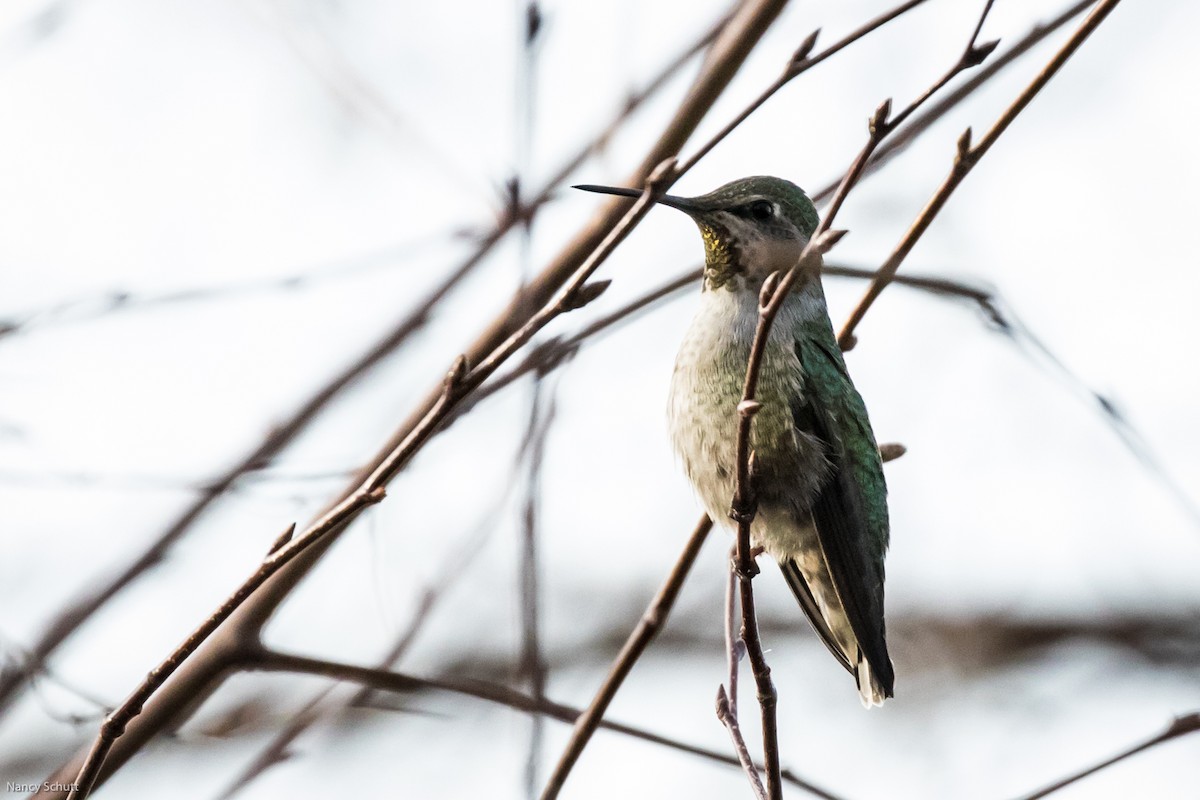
<point x="800" y="62"/>
<point x="966" y="158"/>
<point x="1180" y="726"/>
<point x="401" y="683"/>
<point x="728" y="717"/>
<point x="882" y="125"/>
<point x="639" y="639"/>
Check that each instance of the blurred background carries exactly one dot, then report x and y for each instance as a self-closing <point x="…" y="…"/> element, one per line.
<point x="210" y="209"/>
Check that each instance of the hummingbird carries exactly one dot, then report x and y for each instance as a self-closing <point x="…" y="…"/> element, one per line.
<point x="817" y="477"/>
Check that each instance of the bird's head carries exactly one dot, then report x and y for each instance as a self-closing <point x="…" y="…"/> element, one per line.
<point x="751" y="227"/>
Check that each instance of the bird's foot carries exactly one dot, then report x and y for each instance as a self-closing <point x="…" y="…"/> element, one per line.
<point x="743" y="513"/>
<point x="751" y="569"/>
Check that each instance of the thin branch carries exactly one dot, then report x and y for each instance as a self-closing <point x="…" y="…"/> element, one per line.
<point x="729" y="719"/>
<point x="1180" y="726"/>
<point x="99" y="304"/>
<point x="553" y="352"/>
<point x="639" y="639"/>
<point x="459" y="556"/>
<point x="727" y="708"/>
<point x="735" y="648"/>
<point x="401" y="683"/>
<point x="920" y="123"/>
<point x="966" y="158"/>
<point x="882" y="125"/>
<point x="797" y="65"/>
<point x="532" y="660"/>
<point x="743" y="505"/>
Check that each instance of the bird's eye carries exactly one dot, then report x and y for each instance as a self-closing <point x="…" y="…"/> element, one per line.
<point x="761" y="210"/>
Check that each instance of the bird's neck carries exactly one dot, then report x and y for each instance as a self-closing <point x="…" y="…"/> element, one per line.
<point x="742" y="261"/>
<point x="735" y="303"/>
<point x="727" y="320"/>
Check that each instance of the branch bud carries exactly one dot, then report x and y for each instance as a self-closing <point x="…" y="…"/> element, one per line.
<point x="979" y="53"/>
<point x="805" y="48"/>
<point x="282" y="539"/>
<point x="585" y="294"/>
<point x="748" y="408"/>
<point x="878" y="124"/>
<point x="827" y="240"/>
<point x="964" y="146"/>
<point x="458" y="370"/>
<point x="664" y="172"/>
<point x="768" y="290"/>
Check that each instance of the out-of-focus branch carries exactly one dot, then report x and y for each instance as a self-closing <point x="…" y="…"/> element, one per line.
<point x="639" y="639"/>
<point x="400" y="683"/>
<point x="1180" y="726"/>
<point x="800" y="62"/>
<point x="455" y="565"/>
<point x="920" y="123"/>
<point x="728" y="718"/>
<point x="966" y="158"/>
<point x="116" y="300"/>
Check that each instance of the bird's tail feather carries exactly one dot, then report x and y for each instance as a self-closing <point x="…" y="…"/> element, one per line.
<point x="870" y="692"/>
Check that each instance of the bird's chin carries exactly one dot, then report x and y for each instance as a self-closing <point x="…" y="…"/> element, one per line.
<point x="770" y="255"/>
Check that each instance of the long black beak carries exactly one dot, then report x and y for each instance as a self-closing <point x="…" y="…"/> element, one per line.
<point x="684" y="204"/>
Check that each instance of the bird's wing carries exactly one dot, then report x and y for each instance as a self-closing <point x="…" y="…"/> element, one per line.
<point x="808" y="603"/>
<point x="850" y="511"/>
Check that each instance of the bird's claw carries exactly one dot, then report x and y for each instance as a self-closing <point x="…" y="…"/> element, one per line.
<point x="751" y="565"/>
<point x="743" y="514"/>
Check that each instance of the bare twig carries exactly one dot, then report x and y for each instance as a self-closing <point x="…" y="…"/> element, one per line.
<point x="797" y="65"/>
<point x="920" y="123"/>
<point x="400" y="683"/>
<point x="729" y="719"/>
<point x="966" y="158"/>
<point x="532" y="661"/>
<point x="735" y="648"/>
<point x="1180" y="726"/>
<point x="742" y="508"/>
<point x="647" y="628"/>
<point x="883" y="125"/>
<point x="459" y="556"/>
<point x="551" y="353"/>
